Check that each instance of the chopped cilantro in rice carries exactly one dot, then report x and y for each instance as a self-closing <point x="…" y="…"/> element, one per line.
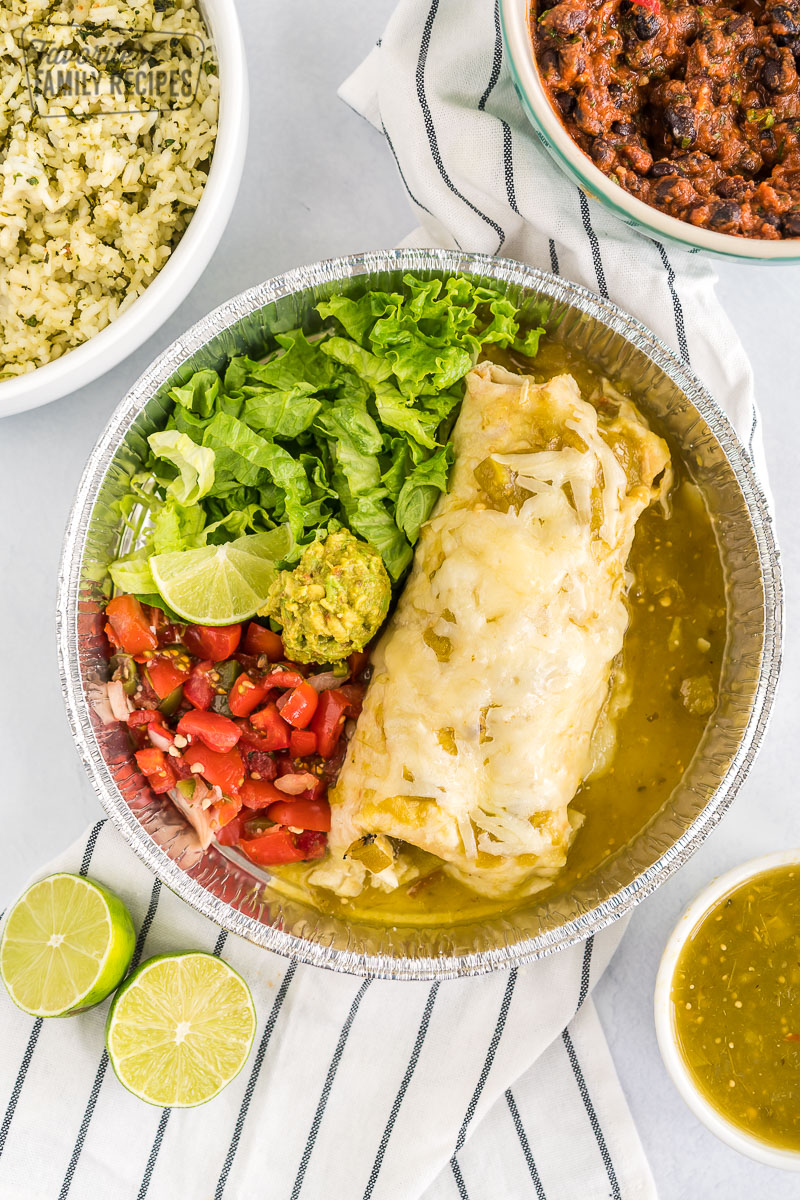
<point x="94" y="197"/>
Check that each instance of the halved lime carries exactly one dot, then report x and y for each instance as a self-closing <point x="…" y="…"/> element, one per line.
<point x="67" y="943"/>
<point x="180" y="1029"/>
<point x="221" y="585"/>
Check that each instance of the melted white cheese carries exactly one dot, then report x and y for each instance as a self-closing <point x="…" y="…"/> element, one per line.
<point x="491" y="676"/>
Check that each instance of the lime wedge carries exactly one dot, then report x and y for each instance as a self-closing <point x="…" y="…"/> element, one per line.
<point x="221" y="585"/>
<point x="180" y="1029"/>
<point x="67" y="943"/>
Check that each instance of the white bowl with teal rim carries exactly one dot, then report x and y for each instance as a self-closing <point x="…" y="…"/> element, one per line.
<point x="515" y="23"/>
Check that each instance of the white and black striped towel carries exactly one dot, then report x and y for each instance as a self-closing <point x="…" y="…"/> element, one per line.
<point x="489" y="1089"/>
<point x="356" y="1089"/>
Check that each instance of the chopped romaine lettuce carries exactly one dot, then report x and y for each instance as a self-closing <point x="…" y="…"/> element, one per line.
<point x="348" y="426"/>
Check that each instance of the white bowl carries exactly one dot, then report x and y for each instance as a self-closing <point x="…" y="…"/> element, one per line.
<point x="186" y="264"/>
<point x="570" y="157"/>
<point x="676" y="1066"/>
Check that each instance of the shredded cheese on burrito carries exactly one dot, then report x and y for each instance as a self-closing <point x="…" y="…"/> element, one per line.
<point x="496" y="669"/>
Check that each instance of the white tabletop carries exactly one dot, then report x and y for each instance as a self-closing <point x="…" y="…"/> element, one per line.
<point x="320" y="182"/>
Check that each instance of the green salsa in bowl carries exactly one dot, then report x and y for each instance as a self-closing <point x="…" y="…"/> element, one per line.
<point x="727" y="1008"/>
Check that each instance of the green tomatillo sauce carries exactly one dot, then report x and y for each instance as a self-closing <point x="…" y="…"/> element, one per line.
<point x="736" y="1006"/>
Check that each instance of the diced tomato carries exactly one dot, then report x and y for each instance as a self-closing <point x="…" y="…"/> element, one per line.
<point x="167" y="633"/>
<point x="653" y="5"/>
<point x="260" y="763"/>
<point x="279" y="845"/>
<point x="160" y="735"/>
<point x="260" y="640"/>
<point x="247" y="662"/>
<point x="300" y="706"/>
<point x="284" y="764"/>
<point x="214" y="642"/>
<point x="355" y="698"/>
<point x="226" y="810"/>
<point x="357" y="661"/>
<point x="221" y="770"/>
<point x="272" y="727"/>
<point x="246" y="695"/>
<point x="302" y="814"/>
<point x="198" y="689"/>
<point x="180" y="766"/>
<point x="164" y="676"/>
<point x="156" y="619"/>
<point x="141" y="721"/>
<point x="312" y="843"/>
<point x="302" y="743"/>
<point x="112" y="637"/>
<point x="162" y="781"/>
<point x="317" y="792"/>
<point x="150" y="760"/>
<point x="143" y="716"/>
<point x="328" y="721"/>
<point x="155" y="765"/>
<point x="259" y="793"/>
<point x="287" y="677"/>
<point x="215" y="731"/>
<point x="231" y="832"/>
<point x="130" y="625"/>
<point x="254" y="739"/>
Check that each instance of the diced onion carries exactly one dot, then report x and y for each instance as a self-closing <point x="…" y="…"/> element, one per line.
<point x="118" y="700"/>
<point x="213" y="797"/>
<point x="101" y="705"/>
<point x="157" y="737"/>
<point x="293" y="785"/>
<point x="326" y="680"/>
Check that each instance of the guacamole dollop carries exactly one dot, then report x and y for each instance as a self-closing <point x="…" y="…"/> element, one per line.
<point x="333" y="602"/>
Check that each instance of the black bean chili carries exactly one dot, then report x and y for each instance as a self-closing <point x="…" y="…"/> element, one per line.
<point x="692" y="108"/>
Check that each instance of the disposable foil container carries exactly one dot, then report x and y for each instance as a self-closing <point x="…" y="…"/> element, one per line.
<point x="238" y="897"/>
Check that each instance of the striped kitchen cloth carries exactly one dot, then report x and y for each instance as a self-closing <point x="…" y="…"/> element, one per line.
<point x="356" y="1089"/>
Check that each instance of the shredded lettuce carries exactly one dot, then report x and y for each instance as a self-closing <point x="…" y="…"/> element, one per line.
<point x="132" y="574"/>
<point x="195" y="465"/>
<point x="346" y="426"/>
<point x="199" y="394"/>
<point x="421" y="489"/>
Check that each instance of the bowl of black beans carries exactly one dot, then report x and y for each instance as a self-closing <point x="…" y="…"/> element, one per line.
<point x="684" y="120"/>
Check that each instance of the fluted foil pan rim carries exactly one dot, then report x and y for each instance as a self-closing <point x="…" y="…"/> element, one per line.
<point x="362" y="951"/>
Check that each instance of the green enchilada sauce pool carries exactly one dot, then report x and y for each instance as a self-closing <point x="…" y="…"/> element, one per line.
<point x="736" y="1006"/>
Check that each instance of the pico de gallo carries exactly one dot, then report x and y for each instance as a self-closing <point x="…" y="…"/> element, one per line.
<point x="244" y="742"/>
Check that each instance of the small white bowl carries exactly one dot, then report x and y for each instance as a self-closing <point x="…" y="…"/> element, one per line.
<point x="514" y="17"/>
<point x="186" y="264"/>
<point x="676" y="1066"/>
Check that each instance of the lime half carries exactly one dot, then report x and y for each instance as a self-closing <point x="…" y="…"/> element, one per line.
<point x="180" y="1029"/>
<point x="221" y="585"/>
<point x="67" y="943"/>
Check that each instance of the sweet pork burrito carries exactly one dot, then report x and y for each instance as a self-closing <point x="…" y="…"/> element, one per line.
<point x="497" y="679"/>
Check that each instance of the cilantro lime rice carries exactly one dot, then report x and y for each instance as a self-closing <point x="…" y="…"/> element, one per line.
<point x="97" y="184"/>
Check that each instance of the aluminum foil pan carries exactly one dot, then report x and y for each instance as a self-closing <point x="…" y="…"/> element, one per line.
<point x="240" y="899"/>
